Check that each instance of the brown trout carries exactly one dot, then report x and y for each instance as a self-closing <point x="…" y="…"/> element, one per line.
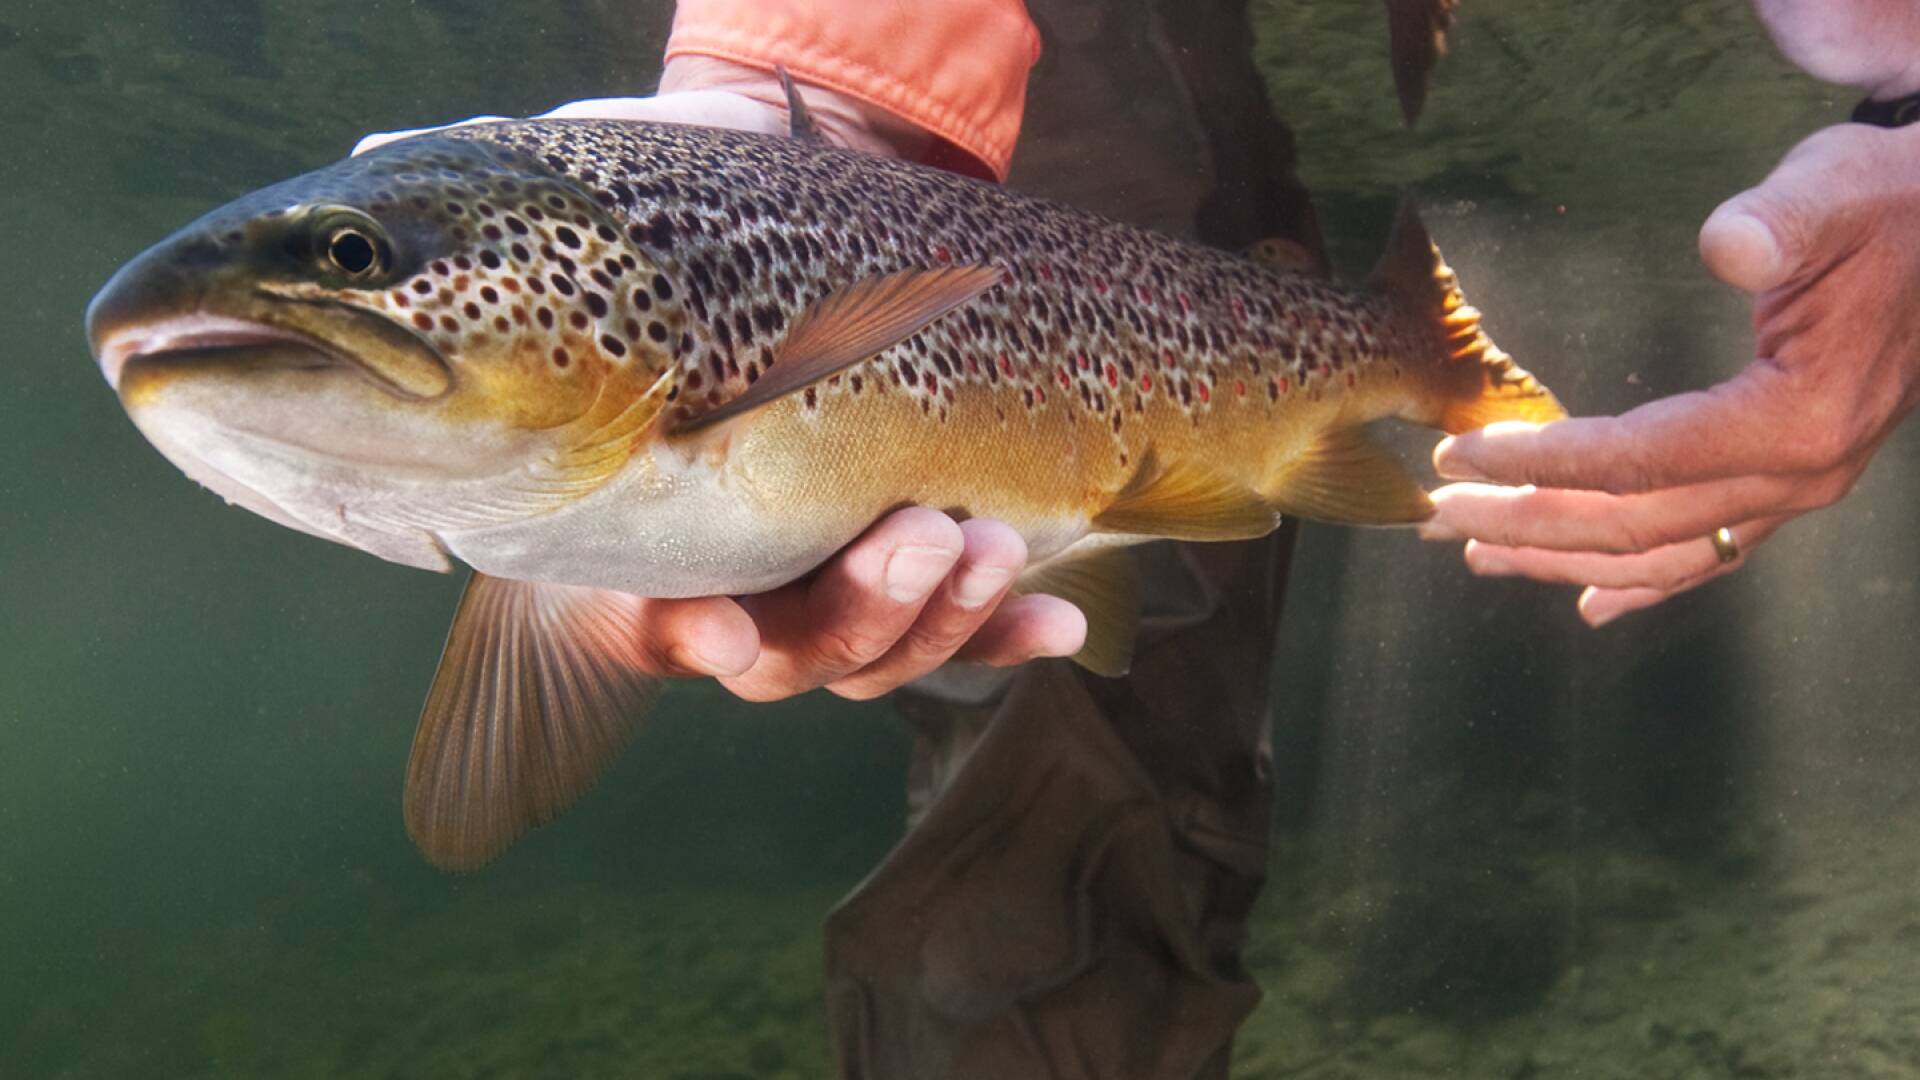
<point x="597" y="361"/>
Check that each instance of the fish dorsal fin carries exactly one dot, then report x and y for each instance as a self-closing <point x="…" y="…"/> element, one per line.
<point x="1287" y="256"/>
<point x="800" y="123"/>
<point x="1482" y="383"/>
<point x="1183" y="501"/>
<point x="1105" y="585"/>
<point x="537" y="692"/>
<point x="851" y="325"/>
<point x="1346" y="478"/>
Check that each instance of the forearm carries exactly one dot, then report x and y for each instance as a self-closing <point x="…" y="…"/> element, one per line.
<point x="1870" y="44"/>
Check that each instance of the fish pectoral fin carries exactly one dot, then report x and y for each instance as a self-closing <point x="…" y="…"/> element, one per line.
<point x="1346" y="478"/>
<point x="1183" y="501"/>
<point x="1105" y="585"/>
<point x="851" y="325"/>
<point x="800" y="122"/>
<point x="537" y="692"/>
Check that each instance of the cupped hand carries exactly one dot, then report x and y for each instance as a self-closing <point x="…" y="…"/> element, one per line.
<point x="912" y="593"/>
<point x="918" y="589"/>
<point x="1829" y="244"/>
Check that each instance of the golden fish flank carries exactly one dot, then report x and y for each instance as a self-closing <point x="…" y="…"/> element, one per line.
<point x="602" y="360"/>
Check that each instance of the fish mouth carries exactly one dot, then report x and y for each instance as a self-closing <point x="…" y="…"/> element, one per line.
<point x="202" y="338"/>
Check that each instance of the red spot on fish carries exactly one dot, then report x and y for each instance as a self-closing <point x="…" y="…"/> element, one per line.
<point x="1166" y="359"/>
<point x="941" y="254"/>
<point x="1083" y="361"/>
<point x="1186" y="304"/>
<point x="1100" y="285"/>
<point x="1240" y="387"/>
<point x="1113" y="375"/>
<point x="1045" y="271"/>
<point x="1064" y="380"/>
<point x="1202" y="388"/>
<point x="1006" y="366"/>
<point x="423" y="320"/>
<point x="1145" y="294"/>
<point x="1039" y="395"/>
<point x="1146" y="382"/>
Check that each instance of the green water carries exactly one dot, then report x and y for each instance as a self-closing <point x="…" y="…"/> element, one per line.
<point x="1509" y="847"/>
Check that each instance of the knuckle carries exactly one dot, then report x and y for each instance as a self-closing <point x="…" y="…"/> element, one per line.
<point x="843" y="648"/>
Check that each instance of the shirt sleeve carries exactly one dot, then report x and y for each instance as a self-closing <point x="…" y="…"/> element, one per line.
<point x="956" y="68"/>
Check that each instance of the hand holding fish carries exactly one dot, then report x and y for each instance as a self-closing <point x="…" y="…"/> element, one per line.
<point x="918" y="589"/>
<point x="1830" y="248"/>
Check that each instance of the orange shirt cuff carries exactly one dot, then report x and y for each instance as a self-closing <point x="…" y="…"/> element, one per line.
<point x="956" y="68"/>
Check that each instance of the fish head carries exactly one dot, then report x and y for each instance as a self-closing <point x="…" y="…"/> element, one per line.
<point x="419" y="339"/>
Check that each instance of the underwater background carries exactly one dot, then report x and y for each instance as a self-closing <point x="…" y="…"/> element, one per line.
<point x="1685" y="846"/>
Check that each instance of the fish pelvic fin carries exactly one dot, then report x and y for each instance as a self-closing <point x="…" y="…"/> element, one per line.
<point x="1105" y="585"/>
<point x="1468" y="381"/>
<point x="538" y="690"/>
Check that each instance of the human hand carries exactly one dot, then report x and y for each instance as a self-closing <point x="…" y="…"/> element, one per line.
<point x="912" y="593"/>
<point x="1829" y="244"/>
<point x="918" y="589"/>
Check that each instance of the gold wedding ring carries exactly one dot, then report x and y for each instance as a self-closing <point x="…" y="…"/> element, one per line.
<point x="1725" y="546"/>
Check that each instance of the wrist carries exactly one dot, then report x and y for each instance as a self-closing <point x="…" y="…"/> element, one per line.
<point x="843" y="119"/>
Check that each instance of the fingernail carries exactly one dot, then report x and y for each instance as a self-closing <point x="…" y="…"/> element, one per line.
<point x="1488" y="562"/>
<point x="1595" y="609"/>
<point x="688" y="658"/>
<point x="1448" y="463"/>
<point x="978" y="584"/>
<point x="1439" y="530"/>
<point x="912" y="572"/>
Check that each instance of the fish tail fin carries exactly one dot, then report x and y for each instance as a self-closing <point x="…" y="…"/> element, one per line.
<point x="1468" y="381"/>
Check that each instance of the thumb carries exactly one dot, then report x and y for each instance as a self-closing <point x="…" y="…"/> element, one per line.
<point x="1749" y="242"/>
<point x="1762" y="237"/>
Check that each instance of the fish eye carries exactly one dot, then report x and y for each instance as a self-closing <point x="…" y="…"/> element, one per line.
<point x="351" y="245"/>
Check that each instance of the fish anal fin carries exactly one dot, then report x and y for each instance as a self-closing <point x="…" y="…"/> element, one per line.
<point x="1182" y="501"/>
<point x="1105" y="585"/>
<point x="538" y="691"/>
<point x="800" y="122"/>
<point x="850" y="325"/>
<point x="1470" y="382"/>
<point x="1346" y="478"/>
